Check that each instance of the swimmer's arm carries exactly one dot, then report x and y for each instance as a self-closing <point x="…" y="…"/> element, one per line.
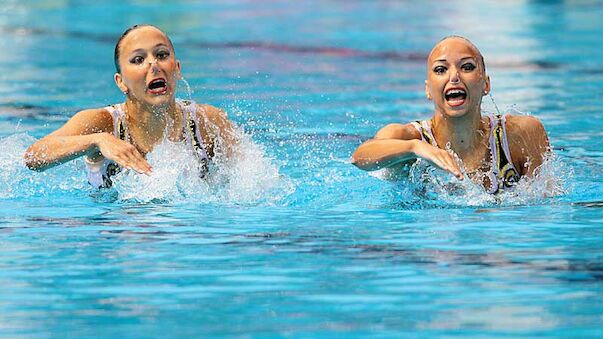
<point x="75" y="138"/>
<point x="395" y="144"/>
<point x="530" y="142"/>
<point x="86" y="133"/>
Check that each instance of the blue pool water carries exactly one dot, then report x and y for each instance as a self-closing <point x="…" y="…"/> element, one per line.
<point x="295" y="241"/>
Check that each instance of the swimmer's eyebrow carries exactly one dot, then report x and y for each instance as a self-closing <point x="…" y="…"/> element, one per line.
<point x="161" y="45"/>
<point x="141" y="50"/>
<point x="465" y="58"/>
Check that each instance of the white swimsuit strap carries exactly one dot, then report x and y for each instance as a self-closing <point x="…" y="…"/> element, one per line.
<point x="189" y="108"/>
<point x="505" y="141"/>
<point x="117" y="113"/>
<point x="494" y="121"/>
<point x="425" y="126"/>
<point x="493" y="149"/>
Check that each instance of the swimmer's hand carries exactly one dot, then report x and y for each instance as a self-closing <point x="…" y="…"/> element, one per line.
<point x="122" y="153"/>
<point x="437" y="157"/>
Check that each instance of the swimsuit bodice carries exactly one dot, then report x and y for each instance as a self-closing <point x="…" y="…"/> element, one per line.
<point x="503" y="173"/>
<point x="99" y="173"/>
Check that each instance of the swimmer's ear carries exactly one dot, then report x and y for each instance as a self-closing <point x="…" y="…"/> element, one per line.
<point x="178" y="74"/>
<point x="120" y="83"/>
<point x="487" y="85"/>
<point x="427" y="94"/>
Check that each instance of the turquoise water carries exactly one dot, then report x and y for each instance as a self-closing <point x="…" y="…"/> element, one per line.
<point x="295" y="241"/>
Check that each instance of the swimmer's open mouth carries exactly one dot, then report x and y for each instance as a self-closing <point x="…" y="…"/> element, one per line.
<point x="455" y="96"/>
<point x="157" y="86"/>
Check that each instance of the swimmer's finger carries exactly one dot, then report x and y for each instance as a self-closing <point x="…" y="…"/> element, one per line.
<point x="447" y="163"/>
<point x="138" y="163"/>
<point x="129" y="161"/>
<point x="439" y="158"/>
<point x="143" y="167"/>
<point x="453" y="167"/>
<point x="121" y="161"/>
<point x="138" y="167"/>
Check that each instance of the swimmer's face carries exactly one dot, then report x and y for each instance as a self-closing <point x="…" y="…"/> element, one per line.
<point x="149" y="68"/>
<point x="456" y="79"/>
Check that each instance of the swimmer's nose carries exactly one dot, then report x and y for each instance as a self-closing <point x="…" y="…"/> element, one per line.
<point x="454" y="77"/>
<point x="153" y="64"/>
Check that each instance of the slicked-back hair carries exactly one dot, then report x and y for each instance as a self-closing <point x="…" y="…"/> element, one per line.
<point x="479" y="53"/>
<point x="123" y="36"/>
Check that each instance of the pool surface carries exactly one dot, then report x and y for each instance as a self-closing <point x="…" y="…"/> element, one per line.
<point x="295" y="241"/>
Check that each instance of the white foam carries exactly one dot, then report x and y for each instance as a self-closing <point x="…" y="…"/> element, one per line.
<point x="17" y="181"/>
<point x="441" y="188"/>
<point x="249" y="177"/>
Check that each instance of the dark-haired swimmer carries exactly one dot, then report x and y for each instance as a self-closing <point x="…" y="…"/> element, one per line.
<point x="119" y="136"/>
<point x="496" y="151"/>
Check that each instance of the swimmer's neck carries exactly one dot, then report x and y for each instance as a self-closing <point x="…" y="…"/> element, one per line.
<point x="464" y="134"/>
<point x="147" y="123"/>
<point x="148" y="115"/>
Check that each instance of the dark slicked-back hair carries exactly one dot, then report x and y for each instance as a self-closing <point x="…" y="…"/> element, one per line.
<point x="123" y="36"/>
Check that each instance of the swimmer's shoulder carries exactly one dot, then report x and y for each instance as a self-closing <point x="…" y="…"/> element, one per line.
<point x="88" y="121"/>
<point x="99" y="119"/>
<point x="398" y="131"/>
<point x="211" y="114"/>
<point x="524" y="127"/>
<point x="527" y="138"/>
<point x="218" y="128"/>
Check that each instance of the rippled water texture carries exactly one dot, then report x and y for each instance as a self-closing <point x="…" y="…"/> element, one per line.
<point x="293" y="240"/>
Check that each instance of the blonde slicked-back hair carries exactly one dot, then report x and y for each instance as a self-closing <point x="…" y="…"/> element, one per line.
<point x="479" y="53"/>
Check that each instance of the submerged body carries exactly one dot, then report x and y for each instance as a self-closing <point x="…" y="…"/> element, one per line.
<point x="456" y="82"/>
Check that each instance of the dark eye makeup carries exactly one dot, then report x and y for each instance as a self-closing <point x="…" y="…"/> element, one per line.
<point x="162" y="54"/>
<point x="468" y="66"/>
<point x="439" y="69"/>
<point x="137" y="60"/>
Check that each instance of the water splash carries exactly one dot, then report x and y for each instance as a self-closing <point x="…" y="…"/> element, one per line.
<point x="188" y="91"/>
<point x="17" y="181"/>
<point x="494" y="103"/>
<point x="427" y="186"/>
<point x="248" y="178"/>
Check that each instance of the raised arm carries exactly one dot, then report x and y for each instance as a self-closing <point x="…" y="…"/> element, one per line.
<point x="86" y="133"/>
<point x="529" y="143"/>
<point x="395" y="144"/>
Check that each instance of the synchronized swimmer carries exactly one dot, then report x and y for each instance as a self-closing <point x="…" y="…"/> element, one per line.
<point x="119" y="136"/>
<point x="495" y="150"/>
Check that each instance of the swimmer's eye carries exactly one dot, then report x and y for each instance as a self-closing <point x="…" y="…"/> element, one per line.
<point x="468" y="67"/>
<point x="137" y="60"/>
<point x="439" y="70"/>
<point x="161" y="55"/>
